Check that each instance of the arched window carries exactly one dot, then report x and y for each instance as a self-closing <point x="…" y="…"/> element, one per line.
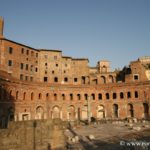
<point x="86" y="96"/>
<point x="111" y="80"/>
<point x="104" y="69"/>
<point x="55" y="96"/>
<point x="129" y="95"/>
<point x="32" y="96"/>
<point x="47" y="96"/>
<point x="71" y="96"/>
<point x="103" y="79"/>
<point x="40" y="96"/>
<point x="65" y="79"/>
<point x="93" y="96"/>
<point x="63" y="96"/>
<point x="114" y="95"/>
<point x="55" y="79"/>
<point x="100" y="96"/>
<point x="107" y="95"/>
<point x="78" y="96"/>
<point x="121" y="95"/>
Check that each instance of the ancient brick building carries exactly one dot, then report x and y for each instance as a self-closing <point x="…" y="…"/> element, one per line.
<point x="42" y="83"/>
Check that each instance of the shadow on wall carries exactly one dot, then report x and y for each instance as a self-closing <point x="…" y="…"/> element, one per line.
<point x="7" y="105"/>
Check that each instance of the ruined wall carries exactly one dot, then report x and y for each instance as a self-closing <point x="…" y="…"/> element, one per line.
<point x="33" y="135"/>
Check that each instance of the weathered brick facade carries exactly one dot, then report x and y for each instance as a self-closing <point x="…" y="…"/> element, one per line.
<point x="41" y="84"/>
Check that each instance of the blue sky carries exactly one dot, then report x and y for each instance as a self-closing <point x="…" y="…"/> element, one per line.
<point x="116" y="30"/>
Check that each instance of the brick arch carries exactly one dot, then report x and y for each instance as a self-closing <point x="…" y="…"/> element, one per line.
<point x="71" y="112"/>
<point x="130" y="110"/>
<point x="39" y="112"/>
<point x="103" y="79"/>
<point x="115" y="111"/>
<point x="55" y="112"/>
<point x="100" y="112"/>
<point x="111" y="78"/>
<point x="145" y="110"/>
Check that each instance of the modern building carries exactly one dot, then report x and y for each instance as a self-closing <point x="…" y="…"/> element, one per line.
<point x="42" y="83"/>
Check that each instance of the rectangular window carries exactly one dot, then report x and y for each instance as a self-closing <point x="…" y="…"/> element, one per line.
<point x="36" y="54"/>
<point x="75" y="80"/>
<point x="32" y="53"/>
<point x="9" y="62"/>
<point x="136" y="77"/>
<point x="22" y="50"/>
<point x="10" y="50"/>
<point x="36" y="69"/>
<point x="27" y="52"/>
<point x="45" y="79"/>
<point x="26" y="78"/>
<point x="26" y="66"/>
<point x="21" y="76"/>
<point x="21" y="66"/>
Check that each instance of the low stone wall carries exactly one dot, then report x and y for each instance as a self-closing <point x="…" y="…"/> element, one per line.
<point x="34" y="135"/>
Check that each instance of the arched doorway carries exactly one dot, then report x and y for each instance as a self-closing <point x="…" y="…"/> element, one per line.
<point x="55" y="112"/>
<point x="39" y="112"/>
<point x="100" y="112"/>
<point x="84" y="112"/>
<point x="146" y="110"/>
<point x="130" y="110"/>
<point x="71" y="111"/>
<point x="10" y="114"/>
<point x="115" y="111"/>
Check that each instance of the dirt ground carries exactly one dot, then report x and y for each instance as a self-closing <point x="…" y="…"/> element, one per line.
<point x="116" y="136"/>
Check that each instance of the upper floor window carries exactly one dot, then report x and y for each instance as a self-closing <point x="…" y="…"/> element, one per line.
<point x="66" y="79"/>
<point x="121" y="95"/>
<point x="36" y="54"/>
<point x="136" y="77"/>
<point x="55" y="79"/>
<point x="32" y="53"/>
<point x="9" y="62"/>
<point x="71" y="96"/>
<point x="129" y="95"/>
<point x="22" y="50"/>
<point x="107" y="95"/>
<point x="21" y="66"/>
<point x="21" y="76"/>
<point x="10" y="50"/>
<point x="45" y="79"/>
<point x="114" y="95"/>
<point x="136" y="94"/>
<point x="78" y="96"/>
<point x="26" y="66"/>
<point x="36" y="69"/>
<point x="27" y="52"/>
<point x="100" y="96"/>
<point x="75" y="79"/>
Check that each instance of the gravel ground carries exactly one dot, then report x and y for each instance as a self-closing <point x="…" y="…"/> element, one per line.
<point x="110" y="137"/>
